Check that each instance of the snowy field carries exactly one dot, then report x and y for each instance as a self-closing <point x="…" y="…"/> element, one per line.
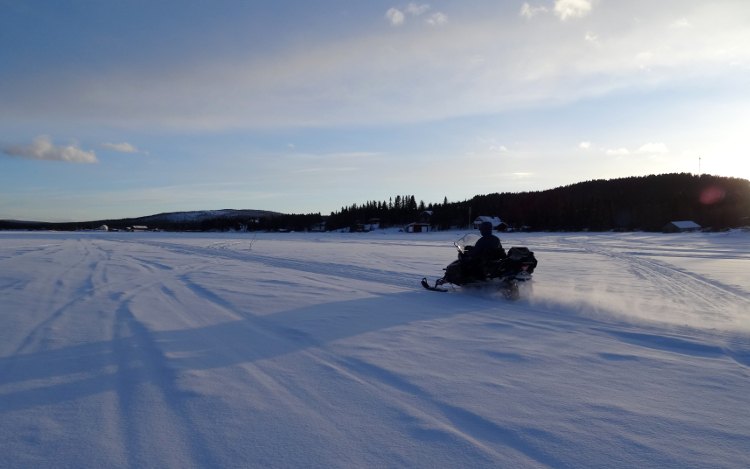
<point x="322" y="350"/>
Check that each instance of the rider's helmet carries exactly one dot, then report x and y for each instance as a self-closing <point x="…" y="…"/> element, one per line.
<point x="485" y="228"/>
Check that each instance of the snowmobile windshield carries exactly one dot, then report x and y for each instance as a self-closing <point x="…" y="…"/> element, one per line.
<point x="466" y="242"/>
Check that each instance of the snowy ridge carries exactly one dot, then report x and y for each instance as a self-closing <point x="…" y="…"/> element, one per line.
<point x="200" y="215"/>
<point x="322" y="350"/>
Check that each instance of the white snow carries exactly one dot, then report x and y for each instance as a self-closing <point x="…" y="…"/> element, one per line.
<point x="322" y="350"/>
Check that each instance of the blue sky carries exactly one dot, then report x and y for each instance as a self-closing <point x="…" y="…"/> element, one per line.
<point x="129" y="108"/>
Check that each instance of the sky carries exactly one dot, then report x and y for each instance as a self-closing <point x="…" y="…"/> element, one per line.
<point x="112" y="109"/>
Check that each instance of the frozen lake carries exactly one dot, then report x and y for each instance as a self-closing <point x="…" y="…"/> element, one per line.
<point x="322" y="350"/>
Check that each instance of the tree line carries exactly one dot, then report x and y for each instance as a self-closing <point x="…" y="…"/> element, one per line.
<point x="634" y="203"/>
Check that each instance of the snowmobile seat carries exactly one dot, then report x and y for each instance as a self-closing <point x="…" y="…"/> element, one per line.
<point x="522" y="255"/>
<point x="497" y="254"/>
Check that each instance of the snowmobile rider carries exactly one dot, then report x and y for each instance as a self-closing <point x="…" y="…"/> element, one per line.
<point x="487" y="248"/>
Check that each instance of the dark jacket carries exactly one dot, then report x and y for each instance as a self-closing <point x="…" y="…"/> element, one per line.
<point x="485" y="247"/>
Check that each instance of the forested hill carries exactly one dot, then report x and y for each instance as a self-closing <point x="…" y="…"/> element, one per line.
<point x="646" y="203"/>
<point x="633" y="203"/>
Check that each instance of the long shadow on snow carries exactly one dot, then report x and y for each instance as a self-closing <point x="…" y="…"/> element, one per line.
<point x="92" y="368"/>
<point x="336" y="269"/>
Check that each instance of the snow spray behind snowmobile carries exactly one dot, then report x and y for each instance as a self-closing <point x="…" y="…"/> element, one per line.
<point x="504" y="271"/>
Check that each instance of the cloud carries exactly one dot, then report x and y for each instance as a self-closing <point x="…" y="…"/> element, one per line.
<point x="567" y="9"/>
<point x="120" y="147"/>
<point x="417" y="10"/>
<point x="563" y="9"/>
<point x="650" y="148"/>
<point x="584" y="145"/>
<point x="528" y="11"/>
<point x="498" y="148"/>
<point x="681" y="23"/>
<point x="395" y="16"/>
<point x="488" y="65"/>
<point x="437" y="19"/>
<point x="43" y="149"/>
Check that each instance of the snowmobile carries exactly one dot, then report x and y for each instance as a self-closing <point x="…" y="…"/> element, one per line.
<point x="506" y="272"/>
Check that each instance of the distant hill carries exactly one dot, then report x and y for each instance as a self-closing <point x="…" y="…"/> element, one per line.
<point x="177" y="221"/>
<point x="24" y="225"/>
<point x="194" y="216"/>
<point x="203" y="215"/>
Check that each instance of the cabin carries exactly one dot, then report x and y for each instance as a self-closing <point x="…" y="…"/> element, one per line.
<point x="423" y="223"/>
<point x="497" y="223"/>
<point x="417" y="227"/>
<point x="683" y="226"/>
<point x="318" y="227"/>
<point x="372" y="224"/>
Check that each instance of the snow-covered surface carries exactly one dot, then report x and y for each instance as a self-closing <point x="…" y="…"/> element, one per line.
<point x="322" y="350"/>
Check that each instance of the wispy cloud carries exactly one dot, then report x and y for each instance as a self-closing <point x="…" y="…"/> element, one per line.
<point x="377" y="76"/>
<point x="563" y="9"/>
<point x="417" y="9"/>
<point x="121" y="147"/>
<point x="617" y="151"/>
<point x="528" y="11"/>
<point x="591" y="37"/>
<point x="650" y="148"/>
<point x="42" y="148"/>
<point x="681" y="23"/>
<point x="653" y="148"/>
<point x="437" y="19"/>
<point x="397" y="16"/>
<point x="568" y="9"/>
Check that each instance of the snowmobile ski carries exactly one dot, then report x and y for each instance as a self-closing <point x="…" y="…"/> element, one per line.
<point x="431" y="287"/>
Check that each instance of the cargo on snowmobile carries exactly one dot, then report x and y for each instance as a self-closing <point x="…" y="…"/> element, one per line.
<point x="501" y="270"/>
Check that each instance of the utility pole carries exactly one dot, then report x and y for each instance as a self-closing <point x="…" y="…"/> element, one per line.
<point x="699" y="166"/>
